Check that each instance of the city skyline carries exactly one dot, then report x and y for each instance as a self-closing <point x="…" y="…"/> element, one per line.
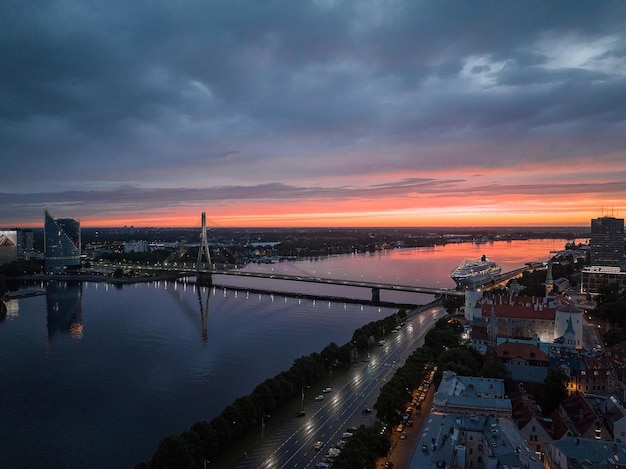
<point x="314" y="113"/>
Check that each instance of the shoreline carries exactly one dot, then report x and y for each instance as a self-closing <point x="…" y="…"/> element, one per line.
<point x="94" y="278"/>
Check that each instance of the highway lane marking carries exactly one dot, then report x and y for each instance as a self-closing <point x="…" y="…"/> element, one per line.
<point x="366" y="382"/>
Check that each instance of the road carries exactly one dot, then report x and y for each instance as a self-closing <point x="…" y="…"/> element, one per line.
<point x="401" y="450"/>
<point x="326" y="420"/>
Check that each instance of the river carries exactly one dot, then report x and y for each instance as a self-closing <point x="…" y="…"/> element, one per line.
<point x="95" y="375"/>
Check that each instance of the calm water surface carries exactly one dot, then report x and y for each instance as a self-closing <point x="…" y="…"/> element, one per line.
<point x="95" y="375"/>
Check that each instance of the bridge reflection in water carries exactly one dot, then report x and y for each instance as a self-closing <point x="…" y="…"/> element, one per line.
<point x="211" y="277"/>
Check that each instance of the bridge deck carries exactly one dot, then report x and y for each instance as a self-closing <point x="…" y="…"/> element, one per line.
<point x="375" y="287"/>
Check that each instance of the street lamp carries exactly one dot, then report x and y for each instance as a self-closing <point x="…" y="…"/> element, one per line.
<point x="263" y="424"/>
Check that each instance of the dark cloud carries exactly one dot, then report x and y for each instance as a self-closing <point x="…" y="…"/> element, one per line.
<point x="147" y="92"/>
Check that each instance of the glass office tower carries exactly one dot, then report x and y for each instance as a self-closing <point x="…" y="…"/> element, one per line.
<point x="61" y="244"/>
<point x="607" y="241"/>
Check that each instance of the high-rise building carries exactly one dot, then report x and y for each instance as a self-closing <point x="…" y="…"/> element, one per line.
<point x="607" y="242"/>
<point x="25" y="243"/>
<point x="8" y="246"/>
<point x="61" y="243"/>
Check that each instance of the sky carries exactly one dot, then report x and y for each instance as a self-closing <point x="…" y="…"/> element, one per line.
<point x="304" y="113"/>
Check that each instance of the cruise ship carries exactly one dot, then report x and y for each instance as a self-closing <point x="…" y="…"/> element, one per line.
<point x="475" y="272"/>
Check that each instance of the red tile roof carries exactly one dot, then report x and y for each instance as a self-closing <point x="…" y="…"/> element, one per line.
<point x="557" y="428"/>
<point x="579" y="412"/>
<point x="518" y="312"/>
<point x="529" y="352"/>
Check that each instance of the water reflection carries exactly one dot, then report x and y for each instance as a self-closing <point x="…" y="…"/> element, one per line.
<point x="204" y="312"/>
<point x="64" y="308"/>
<point x="203" y="294"/>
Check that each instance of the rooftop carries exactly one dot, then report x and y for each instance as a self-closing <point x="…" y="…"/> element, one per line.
<point x="442" y="443"/>
<point x="529" y="352"/>
<point x="596" y="452"/>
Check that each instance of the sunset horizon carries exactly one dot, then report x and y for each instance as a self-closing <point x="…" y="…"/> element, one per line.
<point x="314" y="113"/>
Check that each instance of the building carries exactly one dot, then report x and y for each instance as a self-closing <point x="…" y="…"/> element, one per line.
<point x="581" y="419"/>
<point x="551" y="319"/>
<point x="457" y="441"/>
<point x="137" y="246"/>
<point x="536" y="429"/>
<point x="607" y="242"/>
<point x="470" y="395"/>
<point x="561" y="284"/>
<point x="25" y="244"/>
<point x="524" y="354"/>
<point x="575" y="452"/>
<point x="8" y="246"/>
<point x="61" y="243"/>
<point x="594" y="277"/>
<point x="479" y="337"/>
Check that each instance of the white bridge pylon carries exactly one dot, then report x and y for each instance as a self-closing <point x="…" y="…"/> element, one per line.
<point x="204" y="246"/>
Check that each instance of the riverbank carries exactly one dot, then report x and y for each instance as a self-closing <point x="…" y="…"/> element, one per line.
<point x="248" y="451"/>
<point x="95" y="278"/>
<point x="22" y="294"/>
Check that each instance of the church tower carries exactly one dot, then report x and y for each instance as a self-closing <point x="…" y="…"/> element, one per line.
<point x="569" y="337"/>
<point x="549" y="280"/>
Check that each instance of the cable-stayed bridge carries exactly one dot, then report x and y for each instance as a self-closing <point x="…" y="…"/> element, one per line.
<point x="208" y="274"/>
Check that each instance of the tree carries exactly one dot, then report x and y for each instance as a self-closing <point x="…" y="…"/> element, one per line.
<point x="554" y="390"/>
<point x="463" y="360"/>
<point x="330" y="354"/>
<point x="172" y="453"/>
<point x="613" y="312"/>
<point x="615" y="335"/>
<point x="452" y="303"/>
<point x="439" y="340"/>
<point x="494" y="369"/>
<point x="608" y="293"/>
<point x="363" y="449"/>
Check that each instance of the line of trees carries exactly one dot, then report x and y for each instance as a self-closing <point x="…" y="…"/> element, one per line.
<point x="612" y="309"/>
<point x="368" y="445"/>
<point x="207" y="440"/>
<point x="363" y="449"/>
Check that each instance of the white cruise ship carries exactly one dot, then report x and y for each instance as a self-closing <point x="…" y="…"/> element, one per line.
<point x="475" y="272"/>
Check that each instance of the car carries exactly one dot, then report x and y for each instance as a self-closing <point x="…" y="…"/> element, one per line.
<point x="403" y="435"/>
<point x="351" y="429"/>
<point x="388" y="465"/>
<point x="367" y="410"/>
<point x="326" y="390"/>
<point x="318" y="445"/>
<point x="302" y="413"/>
<point x="334" y="452"/>
<point x="400" y="428"/>
<point x="322" y="464"/>
<point x="319" y="397"/>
